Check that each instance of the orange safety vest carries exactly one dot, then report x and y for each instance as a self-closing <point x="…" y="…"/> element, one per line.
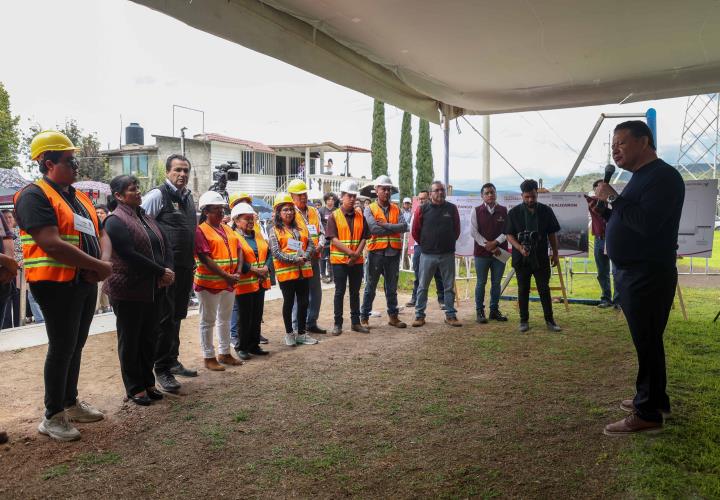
<point x="285" y="271"/>
<point x="39" y="266"/>
<point x="224" y="254"/>
<point x="352" y="241"/>
<point x="393" y="240"/>
<point x="313" y="218"/>
<point x="250" y="282"/>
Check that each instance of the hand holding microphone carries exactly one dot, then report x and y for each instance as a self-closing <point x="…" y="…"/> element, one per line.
<point x="603" y="190"/>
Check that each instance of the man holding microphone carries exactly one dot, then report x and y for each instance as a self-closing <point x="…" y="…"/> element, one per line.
<point x="641" y="240"/>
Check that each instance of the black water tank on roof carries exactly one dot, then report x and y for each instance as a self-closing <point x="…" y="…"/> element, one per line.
<point x="134" y="134"/>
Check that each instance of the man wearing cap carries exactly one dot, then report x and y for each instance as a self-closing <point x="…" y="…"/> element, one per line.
<point x="406" y="211"/>
<point x="173" y="208"/>
<point x="66" y="253"/>
<point x="347" y="230"/>
<point x="308" y="217"/>
<point x="384" y="247"/>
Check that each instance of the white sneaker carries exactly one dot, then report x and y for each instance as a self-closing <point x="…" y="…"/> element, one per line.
<point x="306" y="339"/>
<point x="59" y="427"/>
<point x="83" y="413"/>
<point x="375" y="314"/>
<point x="290" y="339"/>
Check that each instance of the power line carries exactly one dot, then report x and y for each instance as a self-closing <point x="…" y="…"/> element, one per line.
<point x="493" y="147"/>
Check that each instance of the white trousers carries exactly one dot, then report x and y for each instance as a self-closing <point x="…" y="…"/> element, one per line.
<point x="215" y="308"/>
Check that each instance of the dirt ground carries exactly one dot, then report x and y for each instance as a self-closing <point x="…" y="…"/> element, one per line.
<point x="435" y="411"/>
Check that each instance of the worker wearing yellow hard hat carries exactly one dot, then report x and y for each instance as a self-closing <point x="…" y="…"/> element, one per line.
<point x="236" y="198"/>
<point x="66" y="253"/>
<point x="307" y="217"/>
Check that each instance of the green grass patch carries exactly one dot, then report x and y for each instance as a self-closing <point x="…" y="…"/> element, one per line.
<point x="241" y="416"/>
<point x="216" y="434"/>
<point x="86" y="460"/>
<point x="55" y="471"/>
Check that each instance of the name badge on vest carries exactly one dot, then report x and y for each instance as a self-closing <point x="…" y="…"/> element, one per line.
<point x="175" y="205"/>
<point x="312" y="229"/>
<point x="294" y="245"/>
<point x="83" y="225"/>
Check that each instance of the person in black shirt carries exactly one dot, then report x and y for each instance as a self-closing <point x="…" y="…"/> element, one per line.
<point x="641" y="240"/>
<point x="529" y="228"/>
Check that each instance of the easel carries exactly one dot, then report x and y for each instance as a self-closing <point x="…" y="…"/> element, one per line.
<point x="682" y="302"/>
<point x="560" y="288"/>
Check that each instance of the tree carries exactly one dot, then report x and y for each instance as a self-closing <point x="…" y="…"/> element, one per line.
<point x="424" y="162"/>
<point x="9" y="132"/>
<point x="379" y="141"/>
<point x="406" y="166"/>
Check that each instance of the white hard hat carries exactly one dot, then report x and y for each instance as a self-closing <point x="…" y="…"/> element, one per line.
<point x="241" y="209"/>
<point x="349" y="187"/>
<point x="211" y="198"/>
<point x="383" y="180"/>
<point x="407" y="200"/>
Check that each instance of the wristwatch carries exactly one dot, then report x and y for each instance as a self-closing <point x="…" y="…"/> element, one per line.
<point x="612" y="198"/>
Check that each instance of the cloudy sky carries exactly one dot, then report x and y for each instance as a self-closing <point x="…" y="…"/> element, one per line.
<point x="97" y="60"/>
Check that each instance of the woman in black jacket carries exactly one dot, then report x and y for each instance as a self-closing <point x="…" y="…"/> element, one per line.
<point x="142" y="263"/>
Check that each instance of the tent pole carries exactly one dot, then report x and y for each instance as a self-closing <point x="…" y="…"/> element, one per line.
<point x="446" y="143"/>
<point x="486" y="149"/>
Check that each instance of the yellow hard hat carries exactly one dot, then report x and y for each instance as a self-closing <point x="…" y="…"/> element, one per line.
<point x="297" y="186"/>
<point x="238" y="197"/>
<point x="281" y="199"/>
<point x="50" y="140"/>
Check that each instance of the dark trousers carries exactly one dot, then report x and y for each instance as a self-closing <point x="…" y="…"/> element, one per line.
<point x="68" y="309"/>
<point x="417" y="252"/>
<point x="173" y="311"/>
<point x="325" y="266"/>
<point x="250" y="308"/>
<point x="12" y="308"/>
<point x="295" y="290"/>
<point x="646" y="297"/>
<point x="137" y="324"/>
<point x="602" y="261"/>
<point x="344" y="274"/>
<point x="542" y="283"/>
<point x="388" y="268"/>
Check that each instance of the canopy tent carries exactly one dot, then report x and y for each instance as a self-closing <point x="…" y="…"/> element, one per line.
<point x="480" y="57"/>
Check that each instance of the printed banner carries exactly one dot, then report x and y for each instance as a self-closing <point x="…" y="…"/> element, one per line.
<point x="697" y="223"/>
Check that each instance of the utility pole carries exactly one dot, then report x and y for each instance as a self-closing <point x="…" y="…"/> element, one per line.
<point x="486" y="149"/>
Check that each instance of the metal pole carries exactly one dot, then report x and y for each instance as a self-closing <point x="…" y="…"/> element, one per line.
<point x="486" y="149"/>
<point x="446" y="142"/>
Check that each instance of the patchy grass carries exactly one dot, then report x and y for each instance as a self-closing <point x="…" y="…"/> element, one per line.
<point x="88" y="460"/>
<point x="55" y="471"/>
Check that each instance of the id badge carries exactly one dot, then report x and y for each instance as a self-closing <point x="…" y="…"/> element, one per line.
<point x="312" y="229"/>
<point x="294" y="245"/>
<point x="83" y="225"/>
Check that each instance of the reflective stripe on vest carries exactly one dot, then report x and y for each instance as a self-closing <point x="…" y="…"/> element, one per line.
<point x="394" y="240"/>
<point x="352" y="241"/>
<point x="313" y="218"/>
<point x="285" y="271"/>
<point x="225" y="255"/>
<point x="249" y="282"/>
<point x="39" y="266"/>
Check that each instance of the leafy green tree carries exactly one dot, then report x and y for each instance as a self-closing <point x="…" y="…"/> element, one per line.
<point x="406" y="166"/>
<point x="423" y="160"/>
<point x="9" y="132"/>
<point x="379" y="141"/>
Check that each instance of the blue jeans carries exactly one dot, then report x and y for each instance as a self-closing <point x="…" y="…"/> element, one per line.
<point x="313" y="310"/>
<point x="416" y="270"/>
<point x="389" y="268"/>
<point x="35" y="308"/>
<point x="602" y="262"/>
<point x="496" y="268"/>
<point x="429" y="265"/>
<point x="234" y="322"/>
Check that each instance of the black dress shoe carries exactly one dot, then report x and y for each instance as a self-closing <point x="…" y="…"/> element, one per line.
<point x="316" y="329"/>
<point x="244" y="355"/>
<point x="140" y="400"/>
<point x="167" y="382"/>
<point x="263" y="340"/>
<point x="258" y="351"/>
<point x="480" y="318"/>
<point x="181" y="371"/>
<point x="154" y="394"/>
<point x="497" y="315"/>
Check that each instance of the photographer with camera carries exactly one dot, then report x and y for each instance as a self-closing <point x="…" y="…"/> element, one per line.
<point x="529" y="228"/>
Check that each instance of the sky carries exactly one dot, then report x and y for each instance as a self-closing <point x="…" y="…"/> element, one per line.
<point x="95" y="61"/>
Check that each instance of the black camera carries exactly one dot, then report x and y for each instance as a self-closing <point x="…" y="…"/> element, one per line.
<point x="528" y="239"/>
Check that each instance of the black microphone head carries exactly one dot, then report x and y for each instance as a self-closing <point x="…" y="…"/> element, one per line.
<point x="609" y="171"/>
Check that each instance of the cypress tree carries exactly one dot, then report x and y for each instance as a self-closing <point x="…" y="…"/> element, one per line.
<point x="406" y="166"/>
<point x="379" y="141"/>
<point x="9" y="132"/>
<point x="423" y="161"/>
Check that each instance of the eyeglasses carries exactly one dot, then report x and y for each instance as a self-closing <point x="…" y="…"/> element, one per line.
<point x="71" y="162"/>
<point x="441" y="190"/>
<point x="287" y="209"/>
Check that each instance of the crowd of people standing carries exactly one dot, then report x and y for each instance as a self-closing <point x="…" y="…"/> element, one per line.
<point x="149" y="252"/>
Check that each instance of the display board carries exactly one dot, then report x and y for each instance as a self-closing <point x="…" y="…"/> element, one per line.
<point x="697" y="223"/>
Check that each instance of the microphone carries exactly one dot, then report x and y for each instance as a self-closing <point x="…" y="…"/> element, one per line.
<point x="609" y="171"/>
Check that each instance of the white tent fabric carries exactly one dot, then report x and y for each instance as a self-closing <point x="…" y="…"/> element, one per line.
<point x="480" y="56"/>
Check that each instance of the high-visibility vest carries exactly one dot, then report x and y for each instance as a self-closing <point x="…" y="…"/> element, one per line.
<point x="39" y="266"/>
<point x="225" y="255"/>
<point x="352" y="241"/>
<point x="313" y="218"/>
<point x="250" y="282"/>
<point x="394" y="240"/>
<point x="285" y="271"/>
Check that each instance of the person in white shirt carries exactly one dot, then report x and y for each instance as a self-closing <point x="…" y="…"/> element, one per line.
<point x="486" y="227"/>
